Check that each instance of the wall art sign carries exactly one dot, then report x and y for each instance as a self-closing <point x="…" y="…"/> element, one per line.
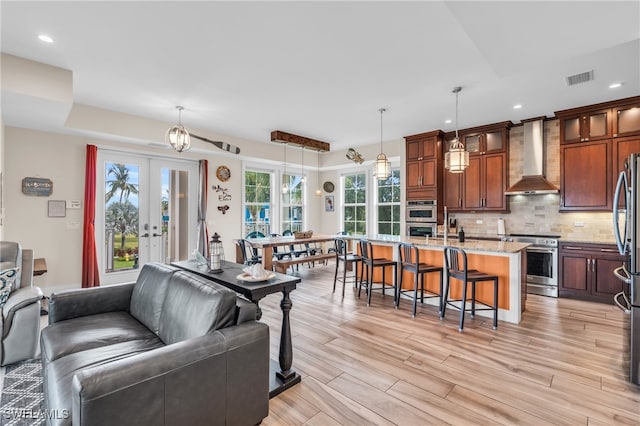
<point x="224" y="196"/>
<point x="39" y="187"/>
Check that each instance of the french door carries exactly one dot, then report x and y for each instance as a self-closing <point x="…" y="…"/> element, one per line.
<point x="146" y="211"/>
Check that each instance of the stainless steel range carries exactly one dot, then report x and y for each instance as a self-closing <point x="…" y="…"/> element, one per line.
<point x="542" y="262"/>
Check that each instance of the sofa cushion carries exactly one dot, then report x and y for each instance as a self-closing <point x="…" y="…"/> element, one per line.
<point x="149" y="292"/>
<point x="194" y="307"/>
<point x="93" y="331"/>
<point x="61" y="371"/>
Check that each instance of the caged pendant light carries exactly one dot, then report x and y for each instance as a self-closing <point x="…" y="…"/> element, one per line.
<point x="382" y="167"/>
<point x="177" y="136"/>
<point x="456" y="160"/>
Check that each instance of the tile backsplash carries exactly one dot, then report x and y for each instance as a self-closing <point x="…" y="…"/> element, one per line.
<point x="538" y="214"/>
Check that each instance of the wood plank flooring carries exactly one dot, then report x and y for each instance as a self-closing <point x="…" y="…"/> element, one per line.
<point x="562" y="365"/>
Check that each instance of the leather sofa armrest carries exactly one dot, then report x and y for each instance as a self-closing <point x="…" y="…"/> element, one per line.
<point x="245" y="311"/>
<point x="89" y="301"/>
<point x="182" y="383"/>
<point x="20" y="298"/>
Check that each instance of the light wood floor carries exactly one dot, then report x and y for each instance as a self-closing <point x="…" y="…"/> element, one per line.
<point x="376" y="365"/>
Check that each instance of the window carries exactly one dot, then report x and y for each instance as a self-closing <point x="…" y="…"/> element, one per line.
<point x="257" y="203"/>
<point x="389" y="204"/>
<point x="292" y="218"/>
<point x="355" y="204"/>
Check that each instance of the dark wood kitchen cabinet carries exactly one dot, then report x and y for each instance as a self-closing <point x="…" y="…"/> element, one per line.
<point x="424" y="164"/>
<point x="586" y="271"/>
<point x="484" y="182"/>
<point x="594" y="142"/>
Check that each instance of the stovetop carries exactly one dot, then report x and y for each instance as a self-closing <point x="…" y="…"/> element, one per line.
<point x="535" y="239"/>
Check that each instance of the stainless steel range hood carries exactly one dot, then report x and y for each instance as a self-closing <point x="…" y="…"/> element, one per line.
<point x="533" y="181"/>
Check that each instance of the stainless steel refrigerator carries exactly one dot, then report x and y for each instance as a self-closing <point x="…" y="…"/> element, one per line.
<point x="626" y="228"/>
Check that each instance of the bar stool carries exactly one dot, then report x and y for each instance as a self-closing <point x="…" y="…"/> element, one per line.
<point x="409" y="259"/>
<point x="452" y="256"/>
<point x="342" y="255"/>
<point x="368" y="265"/>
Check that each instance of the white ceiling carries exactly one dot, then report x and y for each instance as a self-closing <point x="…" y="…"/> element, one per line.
<point x="323" y="69"/>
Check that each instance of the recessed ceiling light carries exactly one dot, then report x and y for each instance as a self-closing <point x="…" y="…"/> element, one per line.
<point x="517" y="106"/>
<point x="615" y="85"/>
<point x="447" y="121"/>
<point x="45" y="38"/>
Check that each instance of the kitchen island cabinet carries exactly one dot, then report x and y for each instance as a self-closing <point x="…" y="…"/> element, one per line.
<point x="586" y="271"/>
<point x="504" y="259"/>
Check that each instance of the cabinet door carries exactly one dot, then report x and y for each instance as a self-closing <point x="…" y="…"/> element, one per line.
<point x="472" y="193"/>
<point x="495" y="181"/>
<point x="622" y="148"/>
<point x="414" y="151"/>
<point x="472" y="143"/>
<point x="495" y="141"/>
<point x="570" y="129"/>
<point x="428" y="173"/>
<point x="453" y="191"/>
<point x="626" y="120"/>
<point x="596" y="125"/>
<point x="585" y="176"/>
<point x="575" y="273"/>
<point x="605" y="284"/>
<point x="413" y="174"/>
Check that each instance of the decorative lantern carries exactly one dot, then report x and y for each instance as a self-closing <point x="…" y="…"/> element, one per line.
<point x="217" y="254"/>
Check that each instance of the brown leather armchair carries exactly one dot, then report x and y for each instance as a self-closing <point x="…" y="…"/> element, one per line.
<point x="20" y="319"/>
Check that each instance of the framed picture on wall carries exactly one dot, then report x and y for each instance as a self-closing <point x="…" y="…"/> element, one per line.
<point x="328" y="203"/>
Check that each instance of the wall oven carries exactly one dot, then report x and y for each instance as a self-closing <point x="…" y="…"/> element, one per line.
<point x="422" y="211"/>
<point x="421" y="229"/>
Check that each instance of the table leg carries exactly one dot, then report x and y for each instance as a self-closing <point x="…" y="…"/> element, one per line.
<point x="267" y="258"/>
<point x="285" y="377"/>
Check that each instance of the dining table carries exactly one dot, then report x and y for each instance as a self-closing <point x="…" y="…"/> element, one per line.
<point x="266" y="244"/>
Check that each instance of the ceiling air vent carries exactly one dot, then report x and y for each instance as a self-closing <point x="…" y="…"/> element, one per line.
<point x="583" y="77"/>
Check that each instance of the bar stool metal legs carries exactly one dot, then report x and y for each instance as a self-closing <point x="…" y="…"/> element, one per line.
<point x="452" y="257"/>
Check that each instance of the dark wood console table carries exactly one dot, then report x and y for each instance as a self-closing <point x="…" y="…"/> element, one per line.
<point x="282" y="376"/>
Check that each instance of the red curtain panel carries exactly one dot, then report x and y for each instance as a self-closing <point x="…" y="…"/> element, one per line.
<point x="90" y="274"/>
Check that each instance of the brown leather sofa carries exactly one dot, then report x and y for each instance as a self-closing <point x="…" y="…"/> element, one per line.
<point x="169" y="349"/>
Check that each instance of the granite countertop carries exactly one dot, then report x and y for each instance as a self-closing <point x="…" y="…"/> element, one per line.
<point x="469" y="244"/>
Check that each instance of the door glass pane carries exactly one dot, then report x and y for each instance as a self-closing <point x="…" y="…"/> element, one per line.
<point x="472" y="143"/>
<point x="121" y="216"/>
<point x="170" y="242"/>
<point x="572" y="128"/>
<point x="628" y="120"/>
<point x="494" y="141"/>
<point x="598" y="124"/>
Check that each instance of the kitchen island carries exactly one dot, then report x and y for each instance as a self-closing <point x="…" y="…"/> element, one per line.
<point x="502" y="258"/>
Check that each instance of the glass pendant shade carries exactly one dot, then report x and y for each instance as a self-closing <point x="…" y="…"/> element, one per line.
<point x="178" y="137"/>
<point x="382" y="167"/>
<point x="457" y="159"/>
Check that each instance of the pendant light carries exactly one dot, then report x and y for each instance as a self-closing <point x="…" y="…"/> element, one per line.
<point x="177" y="136"/>
<point x="303" y="179"/>
<point x="382" y="168"/>
<point x="456" y="160"/>
<point x="318" y="191"/>
<point x="285" y="186"/>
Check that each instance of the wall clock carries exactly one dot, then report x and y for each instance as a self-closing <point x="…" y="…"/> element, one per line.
<point x="328" y="187"/>
<point x="223" y="173"/>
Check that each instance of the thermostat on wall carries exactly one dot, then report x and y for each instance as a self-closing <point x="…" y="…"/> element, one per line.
<point x="73" y="204"/>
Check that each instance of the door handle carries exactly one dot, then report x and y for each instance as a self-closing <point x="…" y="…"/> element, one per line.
<point x="156" y="235"/>
<point x="144" y="235"/>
